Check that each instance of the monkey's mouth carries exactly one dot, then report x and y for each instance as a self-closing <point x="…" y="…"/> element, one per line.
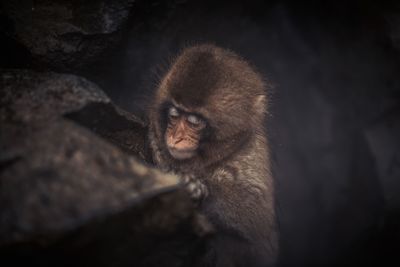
<point x="181" y="154"/>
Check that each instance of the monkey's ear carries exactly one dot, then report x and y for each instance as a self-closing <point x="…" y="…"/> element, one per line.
<point x="260" y="103"/>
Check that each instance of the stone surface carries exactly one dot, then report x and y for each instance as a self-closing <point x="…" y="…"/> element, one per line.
<point x="72" y="188"/>
<point x="32" y="97"/>
<point x="57" y="176"/>
<point x="66" y="34"/>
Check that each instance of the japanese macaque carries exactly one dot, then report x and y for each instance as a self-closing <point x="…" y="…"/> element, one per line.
<point x="207" y="126"/>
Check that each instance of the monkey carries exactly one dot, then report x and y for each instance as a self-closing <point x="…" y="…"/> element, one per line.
<point x="207" y="125"/>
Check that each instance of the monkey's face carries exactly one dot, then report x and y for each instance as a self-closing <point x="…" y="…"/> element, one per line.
<point x="183" y="133"/>
<point x="206" y="107"/>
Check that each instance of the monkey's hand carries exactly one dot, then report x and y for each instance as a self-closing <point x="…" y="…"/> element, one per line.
<point x="196" y="188"/>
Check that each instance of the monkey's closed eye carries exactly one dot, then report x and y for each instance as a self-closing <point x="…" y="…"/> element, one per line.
<point x="173" y="112"/>
<point x="194" y="120"/>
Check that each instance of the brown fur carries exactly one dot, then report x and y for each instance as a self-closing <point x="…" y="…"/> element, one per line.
<point x="232" y="163"/>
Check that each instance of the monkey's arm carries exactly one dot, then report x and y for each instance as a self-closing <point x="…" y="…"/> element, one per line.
<point x="241" y="208"/>
<point x="240" y="203"/>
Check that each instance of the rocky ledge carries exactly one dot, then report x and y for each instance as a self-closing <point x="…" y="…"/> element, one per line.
<point x="76" y="182"/>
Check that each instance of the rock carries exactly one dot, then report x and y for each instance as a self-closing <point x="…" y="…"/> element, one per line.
<point x="67" y="34"/>
<point x="69" y="196"/>
<point x="116" y="125"/>
<point x="29" y="97"/>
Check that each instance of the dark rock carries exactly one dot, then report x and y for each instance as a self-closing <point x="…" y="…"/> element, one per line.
<point x="70" y="197"/>
<point x="28" y="97"/>
<point x="116" y="125"/>
<point x="66" y="34"/>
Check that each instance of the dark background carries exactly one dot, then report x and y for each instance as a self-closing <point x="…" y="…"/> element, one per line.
<point x="334" y="119"/>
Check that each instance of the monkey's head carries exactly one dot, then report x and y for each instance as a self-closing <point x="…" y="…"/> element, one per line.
<point x="207" y="105"/>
